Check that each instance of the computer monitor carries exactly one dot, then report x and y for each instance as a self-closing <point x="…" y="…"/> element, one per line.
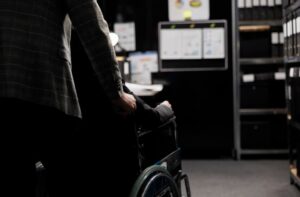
<point x="193" y="45"/>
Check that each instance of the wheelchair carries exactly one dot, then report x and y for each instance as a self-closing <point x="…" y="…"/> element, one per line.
<point x="158" y="155"/>
<point x="160" y="163"/>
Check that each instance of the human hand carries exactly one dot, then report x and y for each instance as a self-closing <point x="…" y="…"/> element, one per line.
<point x="167" y="103"/>
<point x="125" y="104"/>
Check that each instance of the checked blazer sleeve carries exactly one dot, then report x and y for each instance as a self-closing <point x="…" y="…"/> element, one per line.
<point x="93" y="31"/>
<point x="35" y="55"/>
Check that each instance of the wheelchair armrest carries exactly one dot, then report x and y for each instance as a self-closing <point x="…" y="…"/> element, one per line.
<point x="171" y="122"/>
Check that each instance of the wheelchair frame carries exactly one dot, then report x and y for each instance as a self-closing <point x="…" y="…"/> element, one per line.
<point x="160" y="163"/>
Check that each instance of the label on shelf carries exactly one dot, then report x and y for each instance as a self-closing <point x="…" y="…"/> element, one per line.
<point x="248" y="3"/>
<point x="291" y="74"/>
<point x="255" y="2"/>
<point x="248" y="78"/>
<point x="281" y="38"/>
<point x="126" y="68"/>
<point x="280" y="76"/>
<point x="275" y="38"/>
<point x="289" y="93"/>
<point x="263" y="2"/>
<point x="241" y="3"/>
<point x="271" y="3"/>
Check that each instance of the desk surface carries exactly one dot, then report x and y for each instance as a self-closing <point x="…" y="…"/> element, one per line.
<point x="145" y="90"/>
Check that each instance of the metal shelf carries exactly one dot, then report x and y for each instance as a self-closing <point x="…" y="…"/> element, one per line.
<point x="261" y="61"/>
<point x="292" y="60"/>
<point x="263" y="151"/>
<point x="272" y="111"/>
<point x="257" y="63"/>
<point x="261" y="23"/>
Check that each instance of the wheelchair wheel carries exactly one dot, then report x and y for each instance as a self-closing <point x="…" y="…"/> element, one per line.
<point x="155" y="181"/>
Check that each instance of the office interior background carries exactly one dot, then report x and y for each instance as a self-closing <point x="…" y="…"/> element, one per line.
<point x="230" y="69"/>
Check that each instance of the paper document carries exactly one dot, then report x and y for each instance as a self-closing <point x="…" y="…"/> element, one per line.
<point x="126" y="33"/>
<point x="181" y="44"/>
<point x="142" y="65"/>
<point x="214" y="43"/>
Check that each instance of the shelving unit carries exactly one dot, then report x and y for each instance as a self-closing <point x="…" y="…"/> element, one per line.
<point x="290" y="60"/>
<point x="255" y="112"/>
<point x="261" y="61"/>
<point x="262" y="105"/>
<point x="261" y="22"/>
<point x="290" y="7"/>
<point x="292" y="66"/>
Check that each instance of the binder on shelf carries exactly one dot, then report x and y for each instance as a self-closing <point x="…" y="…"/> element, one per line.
<point x="298" y="31"/>
<point x="271" y="9"/>
<point x="289" y="37"/>
<point x="241" y="6"/>
<point x="268" y="132"/>
<point x="248" y="10"/>
<point x="256" y="15"/>
<point x="294" y="72"/>
<point x="276" y="41"/>
<point x="275" y="36"/>
<point x="281" y="43"/>
<point x="278" y="9"/>
<point x="285" y="3"/>
<point x="294" y="37"/>
<point x="268" y="93"/>
<point x="285" y="37"/>
<point x="263" y="9"/>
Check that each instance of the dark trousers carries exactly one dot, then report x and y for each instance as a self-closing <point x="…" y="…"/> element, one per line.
<point x="81" y="159"/>
<point x="31" y="133"/>
<point x="112" y="158"/>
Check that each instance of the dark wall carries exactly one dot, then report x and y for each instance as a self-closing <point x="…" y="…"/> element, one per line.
<point x="146" y="14"/>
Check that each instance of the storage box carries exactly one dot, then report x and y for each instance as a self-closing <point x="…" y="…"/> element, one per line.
<point x="263" y="94"/>
<point x="268" y="132"/>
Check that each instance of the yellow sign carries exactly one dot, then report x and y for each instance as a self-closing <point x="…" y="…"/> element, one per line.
<point x="187" y="14"/>
<point x="195" y="3"/>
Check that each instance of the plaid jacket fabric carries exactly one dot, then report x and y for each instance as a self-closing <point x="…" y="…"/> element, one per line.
<point x="35" y="63"/>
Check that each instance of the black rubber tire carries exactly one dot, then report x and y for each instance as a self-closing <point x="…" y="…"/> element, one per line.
<point x="155" y="181"/>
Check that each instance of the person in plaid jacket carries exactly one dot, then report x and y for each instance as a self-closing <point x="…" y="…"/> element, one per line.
<point x="38" y="99"/>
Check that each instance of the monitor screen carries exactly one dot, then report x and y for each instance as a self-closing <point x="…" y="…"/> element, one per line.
<point x="193" y="45"/>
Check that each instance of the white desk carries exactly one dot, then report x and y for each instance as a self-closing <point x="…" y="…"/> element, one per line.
<point x="144" y="90"/>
